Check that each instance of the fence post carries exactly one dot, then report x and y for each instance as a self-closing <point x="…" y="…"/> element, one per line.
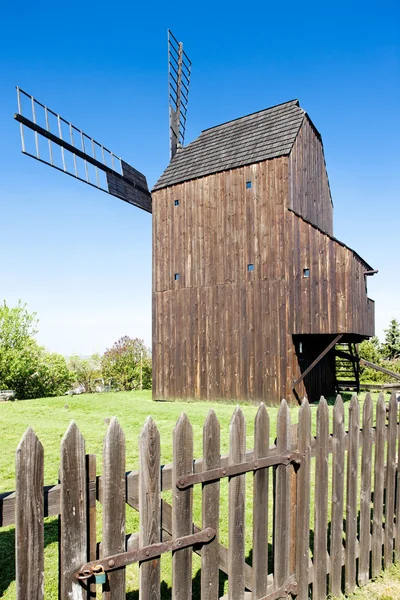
<point x="260" y="505"/>
<point x="351" y="496"/>
<point x="73" y="544"/>
<point x="182" y="509"/>
<point x="114" y="492"/>
<point x="282" y="501"/>
<point x="365" y="502"/>
<point x="237" y="517"/>
<point x="303" y="502"/>
<point x="29" y="529"/>
<point x="321" y="502"/>
<point x="390" y="480"/>
<point x="378" y="486"/>
<point x="210" y="509"/>
<point x="338" y="452"/>
<point x="149" y="508"/>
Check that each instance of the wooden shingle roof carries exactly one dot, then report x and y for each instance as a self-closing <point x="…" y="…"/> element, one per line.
<point x="259" y="136"/>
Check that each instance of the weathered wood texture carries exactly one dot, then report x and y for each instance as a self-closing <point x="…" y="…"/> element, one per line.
<point x="365" y="502"/>
<point x="223" y="331"/>
<point x="182" y="509"/>
<point x="303" y="503"/>
<point x="73" y="546"/>
<point x="338" y="455"/>
<point x="159" y="521"/>
<point x="351" y="496"/>
<point x="260" y="505"/>
<point x="149" y="508"/>
<point x="309" y="191"/>
<point x="114" y="506"/>
<point x="210" y="509"/>
<point x="282" y="501"/>
<point x="379" y="472"/>
<point x="321" y="502"/>
<point x="29" y="529"/>
<point x="237" y="516"/>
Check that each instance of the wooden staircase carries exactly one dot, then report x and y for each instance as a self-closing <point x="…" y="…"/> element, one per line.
<point x="347" y="368"/>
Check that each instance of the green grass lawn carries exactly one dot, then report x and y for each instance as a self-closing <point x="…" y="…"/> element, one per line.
<point x="50" y="418"/>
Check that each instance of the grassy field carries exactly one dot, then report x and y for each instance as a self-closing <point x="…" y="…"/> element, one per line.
<point x="50" y="418"/>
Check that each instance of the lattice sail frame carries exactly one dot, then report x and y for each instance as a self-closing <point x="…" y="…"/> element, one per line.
<point x="179" y="69"/>
<point x="80" y="155"/>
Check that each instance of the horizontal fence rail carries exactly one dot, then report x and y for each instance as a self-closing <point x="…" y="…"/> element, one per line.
<point x="342" y="485"/>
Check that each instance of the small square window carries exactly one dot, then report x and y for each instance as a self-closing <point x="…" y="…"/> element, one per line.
<point x="306" y="273"/>
<point x="177" y="276"/>
<point x="248" y="185"/>
<point x="176" y="202"/>
<point x="250" y="267"/>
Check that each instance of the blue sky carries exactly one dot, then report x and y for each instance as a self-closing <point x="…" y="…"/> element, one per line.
<point x="82" y="259"/>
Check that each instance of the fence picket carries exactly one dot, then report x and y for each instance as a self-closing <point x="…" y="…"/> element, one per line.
<point x="92" y="513"/>
<point x="182" y="508"/>
<point x="397" y="540"/>
<point x="73" y="517"/>
<point x="236" y="500"/>
<point x="338" y="451"/>
<point x="365" y="502"/>
<point x="377" y="538"/>
<point x="321" y="502"/>
<point x="260" y="505"/>
<point x="282" y="501"/>
<point x="29" y="529"/>
<point x="390" y="481"/>
<point x="114" y="506"/>
<point x="303" y="502"/>
<point x="210" y="509"/>
<point x="149" y="508"/>
<point x="351" y="496"/>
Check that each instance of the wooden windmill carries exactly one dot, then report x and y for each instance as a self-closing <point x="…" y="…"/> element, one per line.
<point x="253" y="297"/>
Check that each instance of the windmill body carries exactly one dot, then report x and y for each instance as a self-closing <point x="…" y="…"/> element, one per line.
<point x="252" y="294"/>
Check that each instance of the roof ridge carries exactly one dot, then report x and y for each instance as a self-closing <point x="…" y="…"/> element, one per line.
<point x="296" y="100"/>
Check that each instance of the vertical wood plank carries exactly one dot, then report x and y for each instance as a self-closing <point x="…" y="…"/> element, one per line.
<point x="365" y="503"/>
<point x="397" y="540"/>
<point x="29" y="529"/>
<point x="73" y="513"/>
<point x="236" y="500"/>
<point x="351" y="496"/>
<point x="338" y="450"/>
<point x="210" y="509"/>
<point x="390" y="481"/>
<point x="114" y="506"/>
<point x="91" y="507"/>
<point x="182" y="508"/>
<point x="321" y="502"/>
<point x="282" y="501"/>
<point x="303" y="501"/>
<point x="260" y="505"/>
<point x="149" y="508"/>
<point x="378" y="486"/>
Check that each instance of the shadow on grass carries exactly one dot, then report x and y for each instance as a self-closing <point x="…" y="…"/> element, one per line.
<point x="7" y="551"/>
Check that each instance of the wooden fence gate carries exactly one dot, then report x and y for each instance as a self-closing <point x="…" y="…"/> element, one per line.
<point x="350" y="483"/>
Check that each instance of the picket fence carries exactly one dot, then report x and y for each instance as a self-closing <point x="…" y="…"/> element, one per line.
<point x="355" y="493"/>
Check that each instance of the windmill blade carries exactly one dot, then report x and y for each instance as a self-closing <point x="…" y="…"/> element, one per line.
<point x="58" y="143"/>
<point x="179" y="68"/>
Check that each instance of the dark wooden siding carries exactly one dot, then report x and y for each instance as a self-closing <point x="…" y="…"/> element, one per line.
<point x="309" y="192"/>
<point x="221" y="331"/>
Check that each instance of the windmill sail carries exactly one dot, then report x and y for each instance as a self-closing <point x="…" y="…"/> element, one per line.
<point x="56" y="142"/>
<point x="179" y="68"/>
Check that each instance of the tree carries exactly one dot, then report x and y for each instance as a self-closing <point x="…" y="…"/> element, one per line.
<point x="26" y="367"/>
<point x="391" y="346"/>
<point x="370" y="350"/>
<point x="17" y="325"/>
<point x="128" y="364"/>
<point x="85" y="371"/>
